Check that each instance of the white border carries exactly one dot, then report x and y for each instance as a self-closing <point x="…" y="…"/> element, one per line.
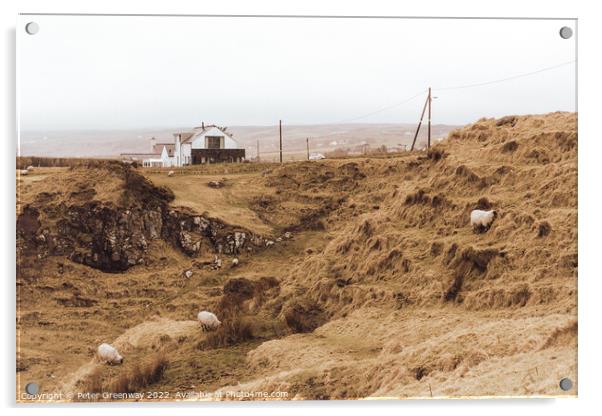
<point x="590" y="155"/>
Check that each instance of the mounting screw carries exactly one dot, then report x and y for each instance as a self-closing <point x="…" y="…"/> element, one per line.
<point x="32" y="28"/>
<point x="32" y="388"/>
<point x="566" y="32"/>
<point x="566" y="384"/>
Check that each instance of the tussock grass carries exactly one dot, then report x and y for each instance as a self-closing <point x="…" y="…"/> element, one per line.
<point x="93" y="383"/>
<point x="233" y="331"/>
<point x="141" y="376"/>
<point x="135" y="379"/>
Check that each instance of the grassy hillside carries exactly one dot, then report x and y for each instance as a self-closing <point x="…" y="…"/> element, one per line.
<point x="375" y="284"/>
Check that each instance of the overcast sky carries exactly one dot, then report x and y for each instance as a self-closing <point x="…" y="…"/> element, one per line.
<point x="82" y="72"/>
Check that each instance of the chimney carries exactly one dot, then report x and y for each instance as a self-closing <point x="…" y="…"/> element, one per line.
<point x="203" y="125"/>
<point x="153" y="142"/>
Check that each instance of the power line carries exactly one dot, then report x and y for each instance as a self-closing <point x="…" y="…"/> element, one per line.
<point x="382" y="109"/>
<point x="479" y="84"/>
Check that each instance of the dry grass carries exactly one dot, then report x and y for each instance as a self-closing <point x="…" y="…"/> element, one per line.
<point x="134" y="379"/>
<point x="141" y="376"/>
<point x="229" y="203"/>
<point x="394" y="236"/>
<point x="51" y="162"/>
<point x="234" y="331"/>
<point x="94" y="382"/>
<point x="238" y="323"/>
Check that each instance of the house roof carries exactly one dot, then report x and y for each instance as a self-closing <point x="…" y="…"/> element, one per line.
<point x="158" y="148"/>
<point x="187" y="136"/>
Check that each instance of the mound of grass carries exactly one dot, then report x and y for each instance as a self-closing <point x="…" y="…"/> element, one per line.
<point x="139" y="377"/>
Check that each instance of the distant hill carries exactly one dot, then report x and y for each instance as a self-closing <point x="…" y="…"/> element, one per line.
<point x="322" y="138"/>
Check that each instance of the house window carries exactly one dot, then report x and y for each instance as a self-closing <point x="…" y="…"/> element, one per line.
<point x="214" y="142"/>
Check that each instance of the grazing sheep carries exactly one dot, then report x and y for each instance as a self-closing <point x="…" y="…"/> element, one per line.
<point x="216" y="184"/>
<point x="234" y="262"/>
<point x="30" y="168"/>
<point x="170" y="173"/>
<point x="208" y="321"/>
<point x="109" y="354"/>
<point x="481" y="220"/>
<point x="23" y="172"/>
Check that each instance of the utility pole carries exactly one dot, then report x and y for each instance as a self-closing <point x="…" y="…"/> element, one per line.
<point x="429" y="129"/>
<point x="420" y="122"/>
<point x="307" y="142"/>
<point x="280" y="124"/>
<point x="258" y="158"/>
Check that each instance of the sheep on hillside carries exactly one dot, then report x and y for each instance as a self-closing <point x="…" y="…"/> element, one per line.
<point x="481" y="220"/>
<point x="109" y="354"/>
<point x="29" y="168"/>
<point x="23" y="172"/>
<point x="208" y="321"/>
<point x="170" y="173"/>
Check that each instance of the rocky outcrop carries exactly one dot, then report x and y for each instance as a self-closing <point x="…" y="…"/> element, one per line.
<point x="115" y="236"/>
<point x="107" y="237"/>
<point x="187" y="230"/>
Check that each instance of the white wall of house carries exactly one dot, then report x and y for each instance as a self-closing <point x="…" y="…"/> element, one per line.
<point x="167" y="161"/>
<point x="198" y="141"/>
<point x="176" y="152"/>
<point x="230" y="143"/>
<point x="186" y="153"/>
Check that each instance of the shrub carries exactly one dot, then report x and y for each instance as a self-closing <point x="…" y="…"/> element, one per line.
<point x="93" y="383"/>
<point x="140" y="376"/>
<point x="436" y="154"/>
<point x="510" y="146"/>
<point x="543" y="229"/>
<point x="230" y="332"/>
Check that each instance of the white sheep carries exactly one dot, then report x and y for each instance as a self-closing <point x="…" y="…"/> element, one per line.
<point x="23" y="172"/>
<point x="109" y="354"/>
<point x="208" y="321"/>
<point x="481" y="220"/>
<point x="234" y="262"/>
<point x="170" y="173"/>
<point x="29" y="168"/>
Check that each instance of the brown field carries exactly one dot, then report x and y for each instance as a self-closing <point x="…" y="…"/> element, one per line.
<point x="382" y="289"/>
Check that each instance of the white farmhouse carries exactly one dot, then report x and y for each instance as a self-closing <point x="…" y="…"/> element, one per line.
<point x="204" y="144"/>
